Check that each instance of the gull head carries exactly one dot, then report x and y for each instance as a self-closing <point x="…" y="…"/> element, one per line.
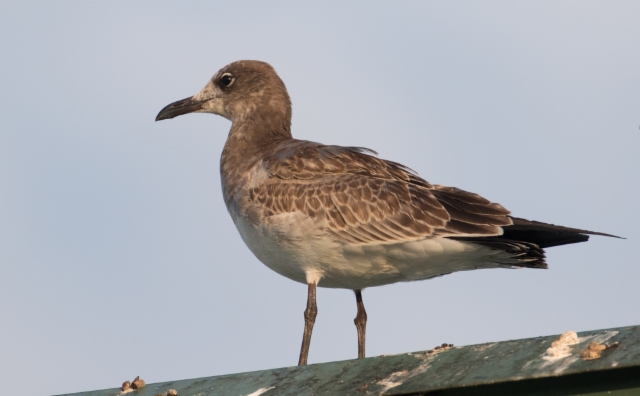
<point x="239" y="91"/>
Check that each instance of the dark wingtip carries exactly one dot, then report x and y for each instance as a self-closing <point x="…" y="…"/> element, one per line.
<point x="520" y="223"/>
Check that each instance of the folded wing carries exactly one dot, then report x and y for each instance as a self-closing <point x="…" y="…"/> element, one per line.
<point x="363" y="199"/>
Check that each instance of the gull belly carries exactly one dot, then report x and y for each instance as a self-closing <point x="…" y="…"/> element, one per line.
<point x="297" y="247"/>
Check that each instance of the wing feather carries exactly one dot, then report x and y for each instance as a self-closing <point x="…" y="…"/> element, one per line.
<point x="363" y="199"/>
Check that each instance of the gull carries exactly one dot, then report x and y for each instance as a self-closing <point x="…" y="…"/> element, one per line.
<point x="340" y="217"/>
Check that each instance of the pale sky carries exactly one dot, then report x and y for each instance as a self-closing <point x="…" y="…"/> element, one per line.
<point x="117" y="255"/>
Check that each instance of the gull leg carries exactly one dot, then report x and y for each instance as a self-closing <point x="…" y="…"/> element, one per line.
<point x="361" y="323"/>
<point x="309" y="320"/>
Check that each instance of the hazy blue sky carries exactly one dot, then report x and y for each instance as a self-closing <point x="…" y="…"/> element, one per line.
<point x="117" y="255"/>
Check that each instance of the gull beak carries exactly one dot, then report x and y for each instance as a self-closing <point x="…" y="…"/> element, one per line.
<point x="184" y="106"/>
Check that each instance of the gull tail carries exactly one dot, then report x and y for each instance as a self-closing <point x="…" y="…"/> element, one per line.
<point x="526" y="240"/>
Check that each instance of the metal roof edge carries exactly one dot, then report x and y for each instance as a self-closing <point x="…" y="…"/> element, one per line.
<point x="517" y="362"/>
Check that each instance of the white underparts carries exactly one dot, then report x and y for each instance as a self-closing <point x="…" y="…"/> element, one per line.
<point x="294" y="246"/>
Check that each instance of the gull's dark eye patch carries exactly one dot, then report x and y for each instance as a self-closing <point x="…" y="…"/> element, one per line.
<point x="226" y="79"/>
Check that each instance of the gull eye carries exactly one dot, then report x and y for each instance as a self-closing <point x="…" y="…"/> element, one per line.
<point x="226" y="79"/>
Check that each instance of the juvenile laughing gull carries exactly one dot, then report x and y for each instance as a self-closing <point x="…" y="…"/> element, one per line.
<point x="339" y="217"/>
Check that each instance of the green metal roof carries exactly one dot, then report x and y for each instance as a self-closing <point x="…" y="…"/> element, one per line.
<point x="520" y="367"/>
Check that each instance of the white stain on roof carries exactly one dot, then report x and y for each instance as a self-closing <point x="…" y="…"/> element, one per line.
<point x="261" y="391"/>
<point x="561" y="355"/>
<point x="560" y="348"/>
<point x="397" y="378"/>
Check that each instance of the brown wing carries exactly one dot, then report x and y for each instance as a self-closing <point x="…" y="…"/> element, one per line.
<point x="365" y="199"/>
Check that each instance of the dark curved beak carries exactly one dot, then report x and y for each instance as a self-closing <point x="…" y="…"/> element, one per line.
<point x="178" y="108"/>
